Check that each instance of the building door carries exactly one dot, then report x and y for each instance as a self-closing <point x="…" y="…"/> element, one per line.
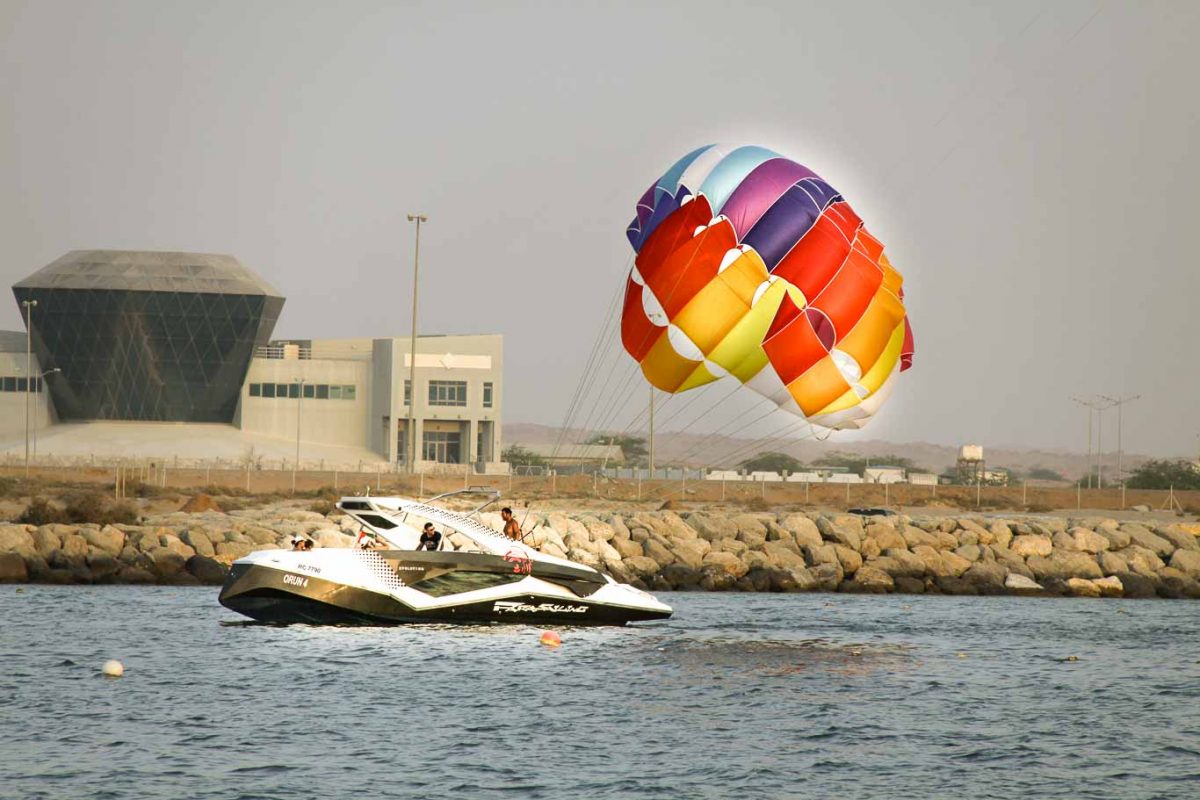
<point x="443" y="447"/>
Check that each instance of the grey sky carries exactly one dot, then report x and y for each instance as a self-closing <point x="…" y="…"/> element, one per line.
<point x="1031" y="167"/>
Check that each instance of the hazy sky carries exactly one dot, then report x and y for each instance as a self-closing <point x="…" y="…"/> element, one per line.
<point x="1033" y="169"/>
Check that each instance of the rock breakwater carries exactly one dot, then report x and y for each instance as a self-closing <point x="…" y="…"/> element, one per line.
<point x="665" y="550"/>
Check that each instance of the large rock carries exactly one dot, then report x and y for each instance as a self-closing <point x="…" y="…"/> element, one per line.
<point x="1117" y="538"/>
<point x="603" y="532"/>
<point x="326" y="537"/>
<point x="1026" y="546"/>
<point x="681" y="576"/>
<point x="231" y="550"/>
<point x="845" y="530"/>
<point x="1110" y="586"/>
<point x="691" y="552"/>
<point x="1001" y="533"/>
<point x="103" y="566"/>
<point x="930" y="557"/>
<point x="900" y="564"/>
<point x="872" y="580"/>
<point x="1063" y="566"/>
<point x="1081" y="587"/>
<point x="206" y="570"/>
<point x="1063" y="540"/>
<point x="870" y="548"/>
<point x="1176" y="535"/>
<point x="13" y="568"/>
<point x="1138" y="585"/>
<point x="1112" y="563"/>
<point x="642" y="566"/>
<point x="652" y="548"/>
<point x="987" y="578"/>
<point x="1142" y="561"/>
<point x="1175" y="584"/>
<point x="199" y="542"/>
<point x="168" y="564"/>
<point x="850" y="560"/>
<point x="46" y="540"/>
<point x="1019" y="584"/>
<point x="738" y="548"/>
<point x="627" y="548"/>
<point x="1088" y="541"/>
<point x="826" y="577"/>
<point x="803" y="530"/>
<point x="915" y="537"/>
<point x="174" y="544"/>
<point x="1187" y="562"/>
<point x="108" y="539"/>
<point x="781" y="557"/>
<point x="728" y="562"/>
<point x="16" y="539"/>
<point x="751" y="530"/>
<point x="885" y="536"/>
<point x="954" y="564"/>
<point x="1141" y="537"/>
<point x="75" y="546"/>
<point x="969" y="552"/>
<point x="713" y="526"/>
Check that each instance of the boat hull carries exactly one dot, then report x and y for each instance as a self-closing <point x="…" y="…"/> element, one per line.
<point x="279" y="597"/>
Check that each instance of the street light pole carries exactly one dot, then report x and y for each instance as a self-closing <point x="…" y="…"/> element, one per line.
<point x="29" y="306"/>
<point x="299" y="405"/>
<point x="411" y="438"/>
<point x="1119" y="402"/>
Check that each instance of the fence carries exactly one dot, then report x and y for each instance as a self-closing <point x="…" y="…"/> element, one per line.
<point x="131" y="476"/>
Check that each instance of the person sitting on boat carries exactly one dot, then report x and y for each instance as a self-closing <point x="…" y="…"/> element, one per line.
<point x="365" y="540"/>
<point x="512" y="528"/>
<point x="430" y="538"/>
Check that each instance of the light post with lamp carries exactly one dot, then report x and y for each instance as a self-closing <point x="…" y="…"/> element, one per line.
<point x="29" y="305"/>
<point x="411" y="438"/>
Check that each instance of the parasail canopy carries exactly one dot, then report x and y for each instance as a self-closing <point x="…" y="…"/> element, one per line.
<point x="750" y="265"/>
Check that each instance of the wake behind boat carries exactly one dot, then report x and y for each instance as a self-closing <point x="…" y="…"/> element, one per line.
<point x="487" y="578"/>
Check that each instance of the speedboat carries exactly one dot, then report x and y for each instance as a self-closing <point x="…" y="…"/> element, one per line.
<point x="478" y="576"/>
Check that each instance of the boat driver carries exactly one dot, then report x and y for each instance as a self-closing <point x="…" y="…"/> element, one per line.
<point x="430" y="538"/>
<point x="512" y="528"/>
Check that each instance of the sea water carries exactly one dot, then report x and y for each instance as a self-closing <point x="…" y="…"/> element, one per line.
<point x="738" y="695"/>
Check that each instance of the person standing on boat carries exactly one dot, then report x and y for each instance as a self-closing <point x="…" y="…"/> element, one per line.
<point x="512" y="528"/>
<point x="430" y="538"/>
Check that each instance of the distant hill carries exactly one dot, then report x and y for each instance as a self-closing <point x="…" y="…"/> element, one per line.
<point x="715" y="451"/>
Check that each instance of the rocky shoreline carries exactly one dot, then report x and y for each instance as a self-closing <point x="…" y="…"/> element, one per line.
<point x="664" y="551"/>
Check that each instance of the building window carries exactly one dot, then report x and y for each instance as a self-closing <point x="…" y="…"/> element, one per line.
<point x="322" y="391"/>
<point x="407" y="392"/>
<point x="10" y="384"/>
<point x="22" y="384"/>
<point x="487" y="395"/>
<point x="293" y="391"/>
<point x="444" y="447"/>
<point x="256" y="390"/>
<point x="268" y="390"/>
<point x="335" y="393"/>
<point x="448" y="393"/>
<point x="281" y="390"/>
<point x="348" y="392"/>
<point x="310" y="391"/>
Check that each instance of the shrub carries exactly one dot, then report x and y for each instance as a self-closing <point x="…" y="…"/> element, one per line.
<point x="41" y="512"/>
<point x="325" y="507"/>
<point x="95" y="508"/>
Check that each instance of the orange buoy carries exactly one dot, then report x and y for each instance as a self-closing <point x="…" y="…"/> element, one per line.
<point x="551" y="639"/>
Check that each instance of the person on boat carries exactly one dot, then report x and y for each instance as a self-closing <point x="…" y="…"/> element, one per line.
<point x="297" y="543"/>
<point x="430" y="538"/>
<point x="512" y="528"/>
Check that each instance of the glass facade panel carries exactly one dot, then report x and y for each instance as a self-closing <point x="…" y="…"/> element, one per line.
<point x="268" y="390"/>
<point x="10" y="384"/>
<point x="310" y="391"/>
<point x="447" y="393"/>
<point x="256" y="390"/>
<point x="131" y="354"/>
<point x="293" y="390"/>
<point x="322" y="391"/>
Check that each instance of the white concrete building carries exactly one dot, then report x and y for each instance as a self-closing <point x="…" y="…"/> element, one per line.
<point x="356" y="392"/>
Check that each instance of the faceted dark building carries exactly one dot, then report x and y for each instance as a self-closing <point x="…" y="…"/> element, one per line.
<point x="146" y="335"/>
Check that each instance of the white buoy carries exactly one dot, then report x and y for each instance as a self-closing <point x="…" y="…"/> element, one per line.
<point x="114" y="668"/>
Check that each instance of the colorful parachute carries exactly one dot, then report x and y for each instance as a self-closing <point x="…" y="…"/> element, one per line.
<point x="750" y="265"/>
